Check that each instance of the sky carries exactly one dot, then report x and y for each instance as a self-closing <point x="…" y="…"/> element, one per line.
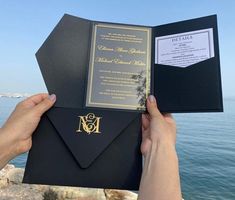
<point x="24" y="26"/>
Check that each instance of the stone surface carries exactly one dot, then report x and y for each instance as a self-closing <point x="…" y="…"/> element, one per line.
<point x="120" y="195"/>
<point x="11" y="188"/>
<point x="3" y="175"/>
<point x="16" y="192"/>
<point x="79" y="193"/>
<point x="3" y="183"/>
<point x="15" y="175"/>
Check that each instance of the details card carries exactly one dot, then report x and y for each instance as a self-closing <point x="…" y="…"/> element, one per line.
<point x="184" y="49"/>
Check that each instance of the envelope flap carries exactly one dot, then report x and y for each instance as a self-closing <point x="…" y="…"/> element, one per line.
<point x="87" y="133"/>
<point x="63" y="60"/>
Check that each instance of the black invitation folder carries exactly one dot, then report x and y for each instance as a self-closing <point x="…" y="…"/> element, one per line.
<point x="195" y="88"/>
<point x="109" y="155"/>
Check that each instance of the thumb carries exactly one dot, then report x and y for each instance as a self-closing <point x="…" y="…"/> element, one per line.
<point x="152" y="107"/>
<point x="45" y="105"/>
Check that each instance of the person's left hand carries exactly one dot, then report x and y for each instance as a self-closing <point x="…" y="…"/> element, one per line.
<point x="18" y="129"/>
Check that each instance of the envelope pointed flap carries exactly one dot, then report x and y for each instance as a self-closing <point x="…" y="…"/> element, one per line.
<point x="63" y="58"/>
<point x="87" y="133"/>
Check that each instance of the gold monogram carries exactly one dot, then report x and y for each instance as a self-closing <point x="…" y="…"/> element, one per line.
<point x="89" y="123"/>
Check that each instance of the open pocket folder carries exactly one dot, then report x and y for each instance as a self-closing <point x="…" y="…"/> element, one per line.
<point x="78" y="144"/>
<point x="196" y="87"/>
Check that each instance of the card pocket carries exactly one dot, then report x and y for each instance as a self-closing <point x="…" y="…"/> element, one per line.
<point x="196" y="88"/>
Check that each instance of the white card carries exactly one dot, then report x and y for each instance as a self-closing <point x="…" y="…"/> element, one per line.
<point x="184" y="49"/>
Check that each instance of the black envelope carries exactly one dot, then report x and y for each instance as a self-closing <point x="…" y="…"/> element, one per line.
<point x="59" y="154"/>
<point x="63" y="154"/>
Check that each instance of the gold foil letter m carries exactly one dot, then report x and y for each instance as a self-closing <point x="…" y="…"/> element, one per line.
<point x="89" y="124"/>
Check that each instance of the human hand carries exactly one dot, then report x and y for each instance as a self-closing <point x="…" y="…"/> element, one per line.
<point x="17" y="132"/>
<point x="161" y="168"/>
<point x="157" y="128"/>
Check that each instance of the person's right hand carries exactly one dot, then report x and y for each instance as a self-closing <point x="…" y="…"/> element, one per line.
<point x="160" y="177"/>
<point x="157" y="128"/>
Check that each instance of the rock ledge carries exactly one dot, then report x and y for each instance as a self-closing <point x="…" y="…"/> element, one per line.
<point x="11" y="188"/>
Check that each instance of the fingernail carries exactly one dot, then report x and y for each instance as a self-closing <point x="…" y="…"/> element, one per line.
<point x="52" y="97"/>
<point x="152" y="99"/>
